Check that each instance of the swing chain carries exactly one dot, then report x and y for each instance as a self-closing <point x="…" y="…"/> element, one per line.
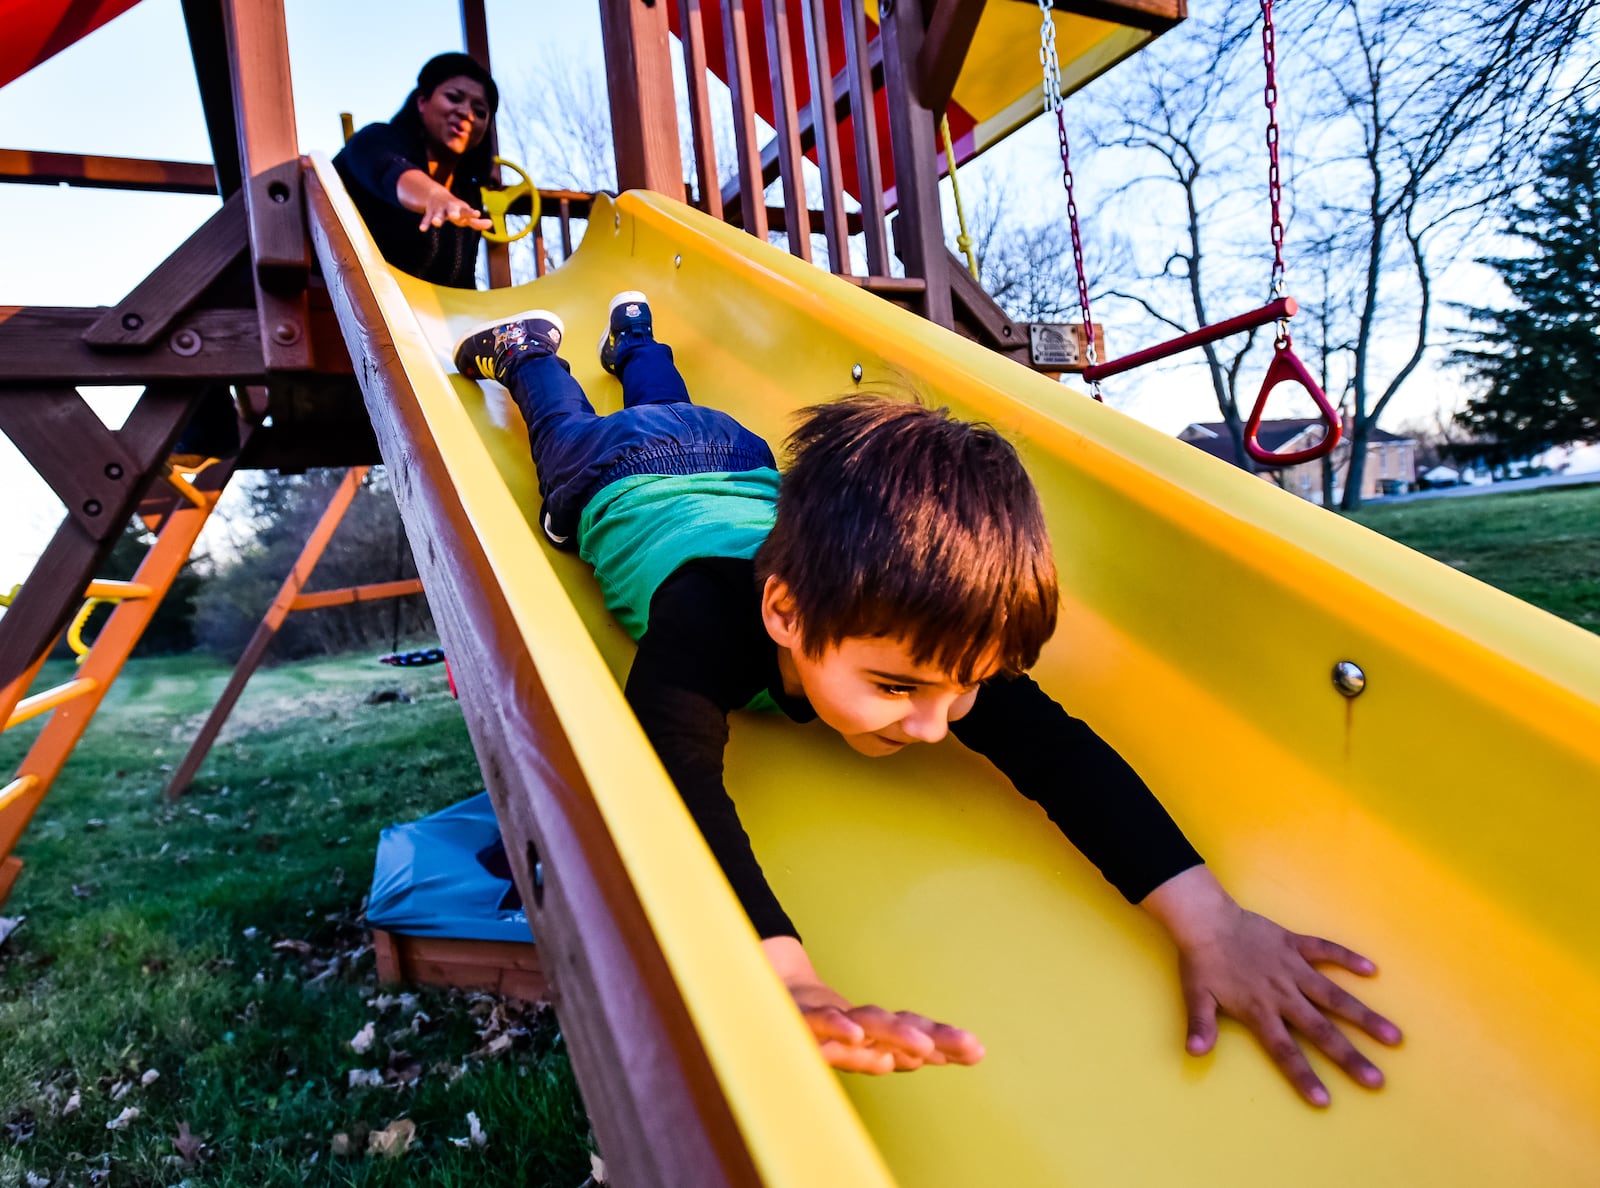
<point x="1269" y="48"/>
<point x="1053" y="102"/>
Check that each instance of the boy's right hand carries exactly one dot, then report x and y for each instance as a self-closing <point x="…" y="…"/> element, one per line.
<point x="866" y="1039"/>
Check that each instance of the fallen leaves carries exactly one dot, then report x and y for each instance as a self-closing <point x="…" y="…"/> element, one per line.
<point x="125" y="1119"/>
<point x="476" y="1136"/>
<point x="8" y="925"/>
<point x="188" y="1145"/>
<point x="394" y="1140"/>
<point x="361" y="1044"/>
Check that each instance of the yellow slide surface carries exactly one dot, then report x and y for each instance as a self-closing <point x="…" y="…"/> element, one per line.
<point x="1445" y="822"/>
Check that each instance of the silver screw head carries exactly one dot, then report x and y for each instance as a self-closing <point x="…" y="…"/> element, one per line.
<point x="677" y="261"/>
<point x="1348" y="678"/>
<point x="855" y="373"/>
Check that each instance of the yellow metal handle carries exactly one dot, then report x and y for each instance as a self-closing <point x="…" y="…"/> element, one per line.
<point x="497" y="203"/>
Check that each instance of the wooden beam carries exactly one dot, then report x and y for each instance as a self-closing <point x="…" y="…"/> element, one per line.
<point x="786" y="124"/>
<point x="49" y="597"/>
<point x="980" y="315"/>
<point x="644" y="109"/>
<point x="918" y="230"/>
<point x="951" y="27"/>
<point x="1155" y="16"/>
<point x="177" y="282"/>
<point x="44" y="345"/>
<point x="475" y="36"/>
<point x="71" y="449"/>
<point x="349" y="595"/>
<point x="860" y="87"/>
<point x="31" y="167"/>
<point x="269" y="154"/>
<point x="208" y="49"/>
<point x="749" y="183"/>
<point x="658" y="1110"/>
<point x="825" y="126"/>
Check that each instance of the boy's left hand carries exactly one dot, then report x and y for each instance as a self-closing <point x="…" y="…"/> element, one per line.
<point x="1263" y="975"/>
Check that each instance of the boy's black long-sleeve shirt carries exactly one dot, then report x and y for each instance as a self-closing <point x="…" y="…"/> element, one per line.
<point x="707" y="653"/>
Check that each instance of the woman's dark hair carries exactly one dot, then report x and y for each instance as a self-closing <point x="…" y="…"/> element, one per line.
<point x="473" y="168"/>
<point x="899" y="520"/>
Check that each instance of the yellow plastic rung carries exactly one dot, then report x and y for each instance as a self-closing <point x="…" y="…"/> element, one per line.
<point x="107" y="590"/>
<point x="183" y="487"/>
<point x="41" y="703"/>
<point x="17" y="789"/>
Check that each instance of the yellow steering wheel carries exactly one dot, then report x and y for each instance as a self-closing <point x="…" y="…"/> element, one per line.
<point x="497" y="204"/>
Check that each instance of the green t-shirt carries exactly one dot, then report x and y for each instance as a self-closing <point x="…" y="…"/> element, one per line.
<point x="640" y="530"/>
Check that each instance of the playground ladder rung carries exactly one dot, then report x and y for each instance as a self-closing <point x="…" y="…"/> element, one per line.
<point x="182" y="486"/>
<point x="39" y="703"/>
<point x="16" y="789"/>
<point x="115" y="591"/>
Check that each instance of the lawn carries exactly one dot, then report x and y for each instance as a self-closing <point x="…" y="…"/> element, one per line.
<point x="1542" y="546"/>
<point x="205" y="965"/>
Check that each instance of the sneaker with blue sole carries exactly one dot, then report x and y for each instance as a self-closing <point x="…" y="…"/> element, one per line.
<point x="487" y="351"/>
<point x="629" y="314"/>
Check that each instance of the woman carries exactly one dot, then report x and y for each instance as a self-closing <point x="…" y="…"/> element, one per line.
<point x="429" y="160"/>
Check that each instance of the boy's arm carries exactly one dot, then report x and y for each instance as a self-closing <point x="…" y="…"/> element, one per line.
<point x="1229" y="959"/>
<point x="689" y="671"/>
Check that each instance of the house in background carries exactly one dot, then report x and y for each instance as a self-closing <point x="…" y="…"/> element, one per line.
<point x="1391" y="460"/>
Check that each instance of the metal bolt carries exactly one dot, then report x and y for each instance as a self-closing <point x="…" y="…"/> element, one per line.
<point x="1348" y="678"/>
<point x="1006" y="331"/>
<point x="677" y="261"/>
<point x="616" y="222"/>
<point x="186" y="343"/>
<point x="113" y="471"/>
<point x="131" y="321"/>
<point x="278" y="192"/>
<point x="286" y="333"/>
<point x="538" y="876"/>
<point x="91" y="507"/>
<point x="855" y="373"/>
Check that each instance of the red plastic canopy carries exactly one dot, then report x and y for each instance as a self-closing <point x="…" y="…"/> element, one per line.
<point x="34" y="31"/>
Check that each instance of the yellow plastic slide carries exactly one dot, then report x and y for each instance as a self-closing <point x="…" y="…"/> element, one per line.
<point x="1445" y="822"/>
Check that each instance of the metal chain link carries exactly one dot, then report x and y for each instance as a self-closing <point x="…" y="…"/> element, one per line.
<point x="1053" y="101"/>
<point x="1269" y="49"/>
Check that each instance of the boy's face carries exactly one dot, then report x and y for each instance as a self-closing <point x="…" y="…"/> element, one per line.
<point x="869" y="689"/>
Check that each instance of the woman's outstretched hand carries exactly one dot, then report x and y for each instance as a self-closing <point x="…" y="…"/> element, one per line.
<point x="867" y="1039"/>
<point x="1234" y="961"/>
<point x="418" y="192"/>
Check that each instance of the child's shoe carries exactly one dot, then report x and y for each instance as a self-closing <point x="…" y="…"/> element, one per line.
<point x="487" y="351"/>
<point x="629" y="314"/>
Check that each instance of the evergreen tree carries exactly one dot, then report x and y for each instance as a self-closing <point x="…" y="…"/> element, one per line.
<point x="1538" y="362"/>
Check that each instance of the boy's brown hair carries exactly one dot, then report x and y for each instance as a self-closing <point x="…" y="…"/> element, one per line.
<point x="899" y="520"/>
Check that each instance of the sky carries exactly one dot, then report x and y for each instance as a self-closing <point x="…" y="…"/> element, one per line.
<point x="129" y="90"/>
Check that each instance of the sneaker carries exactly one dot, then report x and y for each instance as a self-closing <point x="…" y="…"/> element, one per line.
<point x="629" y="314"/>
<point x="486" y="351"/>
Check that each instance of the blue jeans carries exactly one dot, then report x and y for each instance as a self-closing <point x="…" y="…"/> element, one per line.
<point x="659" y="430"/>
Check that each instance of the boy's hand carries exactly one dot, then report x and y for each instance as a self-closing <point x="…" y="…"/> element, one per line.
<point x="867" y="1039"/>
<point x="1262" y="974"/>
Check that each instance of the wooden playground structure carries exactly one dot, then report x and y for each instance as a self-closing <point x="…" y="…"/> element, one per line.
<point x="690" y="1058"/>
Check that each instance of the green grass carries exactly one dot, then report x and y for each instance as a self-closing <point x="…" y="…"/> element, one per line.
<point x="135" y="954"/>
<point x="1542" y="546"/>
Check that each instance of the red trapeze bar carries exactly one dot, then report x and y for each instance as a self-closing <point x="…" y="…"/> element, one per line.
<point x="1282" y="307"/>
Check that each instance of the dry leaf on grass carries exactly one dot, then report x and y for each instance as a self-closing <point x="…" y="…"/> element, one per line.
<point x="476" y="1136"/>
<point x="151" y="1076"/>
<point x="494" y="1047"/>
<point x="597" y="1168"/>
<point x="365" y="1078"/>
<point x="362" y="1043"/>
<point x="74" y="1104"/>
<point x="188" y="1145"/>
<point x="124" y="1119"/>
<point x="393" y="1140"/>
<point x="8" y="925"/>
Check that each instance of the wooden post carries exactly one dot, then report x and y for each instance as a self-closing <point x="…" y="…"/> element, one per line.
<point x="694" y="72"/>
<point x="269" y="152"/>
<point x="825" y="123"/>
<point x="786" y="128"/>
<point x="751" y="186"/>
<point x="919" y="233"/>
<point x="864" y="126"/>
<point x="475" y="33"/>
<point x="266" y="630"/>
<point x="644" y="109"/>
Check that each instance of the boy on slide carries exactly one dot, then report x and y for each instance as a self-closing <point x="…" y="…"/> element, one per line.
<point x="898" y="585"/>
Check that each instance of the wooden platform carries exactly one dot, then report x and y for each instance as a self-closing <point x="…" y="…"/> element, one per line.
<point x="500" y="967"/>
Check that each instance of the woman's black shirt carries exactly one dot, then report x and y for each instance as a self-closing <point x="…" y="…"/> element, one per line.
<point x="370" y="165"/>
